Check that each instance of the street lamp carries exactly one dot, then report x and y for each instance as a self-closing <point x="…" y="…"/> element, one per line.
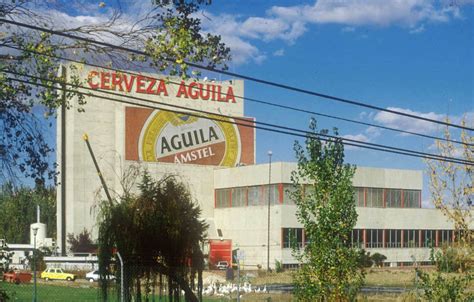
<point x="268" y="220"/>
<point x="35" y="231"/>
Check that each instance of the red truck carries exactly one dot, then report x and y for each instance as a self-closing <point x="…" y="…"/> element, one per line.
<point x="17" y="277"/>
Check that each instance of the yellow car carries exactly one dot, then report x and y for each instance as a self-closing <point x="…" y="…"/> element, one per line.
<point x="57" y="274"/>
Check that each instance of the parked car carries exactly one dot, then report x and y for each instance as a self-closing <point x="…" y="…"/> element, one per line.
<point x="57" y="274"/>
<point x="17" y="277"/>
<point x="222" y="265"/>
<point x="95" y="276"/>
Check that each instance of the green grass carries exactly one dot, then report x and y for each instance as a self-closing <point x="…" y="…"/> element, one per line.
<point x="53" y="293"/>
<point x="72" y="292"/>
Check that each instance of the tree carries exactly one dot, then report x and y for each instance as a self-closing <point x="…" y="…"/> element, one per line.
<point x="158" y="233"/>
<point x="81" y="243"/>
<point x="324" y="197"/>
<point x="169" y="33"/>
<point x="18" y="211"/>
<point x="452" y="192"/>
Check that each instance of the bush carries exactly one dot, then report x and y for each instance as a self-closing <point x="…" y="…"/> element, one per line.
<point x="279" y="267"/>
<point x="365" y="259"/>
<point x="451" y="259"/>
<point x="444" y="287"/>
<point x="378" y="259"/>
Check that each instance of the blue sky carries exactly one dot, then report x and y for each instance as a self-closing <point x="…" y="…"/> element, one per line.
<point x="411" y="55"/>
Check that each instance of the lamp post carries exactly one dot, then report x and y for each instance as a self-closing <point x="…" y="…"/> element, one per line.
<point x="35" y="231"/>
<point x="268" y="213"/>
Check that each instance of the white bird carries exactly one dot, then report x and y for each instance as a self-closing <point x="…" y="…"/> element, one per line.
<point x="265" y="289"/>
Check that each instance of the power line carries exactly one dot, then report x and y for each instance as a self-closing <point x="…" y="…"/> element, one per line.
<point x="287" y="130"/>
<point x="253" y="99"/>
<point x="233" y="74"/>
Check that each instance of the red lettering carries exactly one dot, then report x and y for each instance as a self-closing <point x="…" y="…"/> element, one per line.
<point x="104" y="80"/>
<point x="219" y="95"/>
<point x="90" y="76"/>
<point x="162" y="88"/>
<point x="194" y="94"/>
<point x="129" y="83"/>
<point x="141" y="84"/>
<point x="230" y="95"/>
<point x="151" y="84"/>
<point x="202" y="90"/>
<point x="213" y="89"/>
<point x="182" y="90"/>
<point x="116" y="81"/>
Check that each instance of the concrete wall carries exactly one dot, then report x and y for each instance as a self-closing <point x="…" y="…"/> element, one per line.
<point x="281" y="173"/>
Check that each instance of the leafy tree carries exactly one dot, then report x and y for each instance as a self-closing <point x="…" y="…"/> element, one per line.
<point x="378" y="259"/>
<point x="18" y="211"/>
<point x="170" y="33"/>
<point x="81" y="243"/>
<point x="452" y="185"/>
<point x="330" y="268"/>
<point x="158" y="233"/>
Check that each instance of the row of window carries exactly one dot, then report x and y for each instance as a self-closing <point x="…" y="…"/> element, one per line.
<point x="379" y="238"/>
<point x="281" y="194"/>
<point x="387" y="198"/>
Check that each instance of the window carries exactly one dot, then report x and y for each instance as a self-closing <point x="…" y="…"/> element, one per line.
<point x="288" y="189"/>
<point x="239" y="197"/>
<point x="446" y="237"/>
<point x="374" y="197"/>
<point x="429" y="238"/>
<point x="258" y="195"/>
<point x="394" y="238"/>
<point x="357" y="238"/>
<point x="359" y="196"/>
<point x="292" y="236"/>
<point x="393" y="198"/>
<point x="223" y="198"/>
<point x="374" y="238"/>
<point x="411" y="198"/>
<point x="411" y="238"/>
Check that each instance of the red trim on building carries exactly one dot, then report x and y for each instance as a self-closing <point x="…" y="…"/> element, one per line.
<point x="280" y="193"/>
<point x="230" y="198"/>
<point x="437" y="238"/>
<point x="384" y="241"/>
<point x="215" y="199"/>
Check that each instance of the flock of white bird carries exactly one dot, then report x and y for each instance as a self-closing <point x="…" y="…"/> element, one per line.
<point x="217" y="289"/>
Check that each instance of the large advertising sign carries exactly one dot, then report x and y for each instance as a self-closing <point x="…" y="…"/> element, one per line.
<point x="162" y="136"/>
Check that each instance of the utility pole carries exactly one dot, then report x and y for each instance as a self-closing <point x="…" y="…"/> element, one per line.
<point x="35" y="231"/>
<point x="268" y="213"/>
<point x="63" y="161"/>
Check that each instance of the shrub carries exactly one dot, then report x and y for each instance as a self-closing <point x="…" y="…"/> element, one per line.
<point x="378" y="259"/>
<point x="444" y="287"/>
<point x="279" y="267"/>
